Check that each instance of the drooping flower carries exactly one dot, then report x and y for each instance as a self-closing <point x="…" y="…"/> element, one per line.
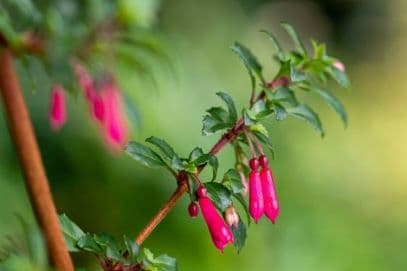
<point x="114" y="123"/>
<point x="220" y="232"/>
<point x="271" y="207"/>
<point x="231" y="216"/>
<point x="57" y="107"/>
<point x="193" y="209"/>
<point x="339" y="65"/>
<point x="256" y="204"/>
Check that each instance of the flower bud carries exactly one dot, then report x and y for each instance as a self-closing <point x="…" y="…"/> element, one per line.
<point x="57" y="108"/>
<point x="271" y="207"/>
<point x="193" y="209"/>
<point x="232" y="218"/>
<point x="339" y="65"/>
<point x="279" y="82"/>
<point x="256" y="204"/>
<point x="220" y="232"/>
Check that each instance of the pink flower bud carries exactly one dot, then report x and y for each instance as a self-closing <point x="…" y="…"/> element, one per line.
<point x="244" y="182"/>
<point x="339" y="65"/>
<point x="271" y="208"/>
<point x="220" y="232"/>
<point x="193" y="209"/>
<point x="57" y="108"/>
<point x="115" y="126"/>
<point x="232" y="218"/>
<point x="85" y="81"/>
<point x="256" y="204"/>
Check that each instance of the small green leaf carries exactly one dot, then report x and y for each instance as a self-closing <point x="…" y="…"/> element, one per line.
<point x="281" y="112"/>
<point x="219" y="195"/>
<point x="144" y="154"/>
<point x="248" y="117"/>
<point x="250" y="61"/>
<point x="212" y="125"/>
<point x="283" y="95"/>
<point x="219" y="113"/>
<point x="276" y="44"/>
<point x="260" y="109"/>
<point x="88" y="243"/>
<point x="294" y="36"/>
<point x="230" y="104"/>
<point x="258" y="127"/>
<point x="162" y="145"/>
<point x="304" y="112"/>
<point x="297" y="75"/>
<point x="239" y="234"/>
<point x="243" y="202"/>
<point x="339" y="76"/>
<point x="72" y="232"/>
<point x="232" y="177"/>
<point x="266" y="140"/>
<point x="177" y="164"/>
<point x="334" y="103"/>
<point x="112" y="247"/>
<point x="161" y="263"/>
<point x="214" y="163"/>
<point x="132" y="248"/>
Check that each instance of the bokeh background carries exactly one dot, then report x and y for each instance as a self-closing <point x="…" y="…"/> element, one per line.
<point x="343" y="198"/>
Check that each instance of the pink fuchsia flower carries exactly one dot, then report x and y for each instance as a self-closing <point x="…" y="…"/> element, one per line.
<point x="231" y="216"/>
<point x="256" y="203"/>
<point x="220" y="232"/>
<point x="114" y="123"/>
<point x="339" y="65"/>
<point x="271" y="207"/>
<point x="57" y="107"/>
<point x="92" y="96"/>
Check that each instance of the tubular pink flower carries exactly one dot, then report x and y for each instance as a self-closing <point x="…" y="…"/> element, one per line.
<point x="271" y="208"/>
<point x="339" y="65"/>
<point x="220" y="232"/>
<point x="256" y="203"/>
<point x="114" y="123"/>
<point x="57" y="108"/>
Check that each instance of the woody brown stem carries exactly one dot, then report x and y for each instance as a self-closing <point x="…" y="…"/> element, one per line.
<point x="29" y="155"/>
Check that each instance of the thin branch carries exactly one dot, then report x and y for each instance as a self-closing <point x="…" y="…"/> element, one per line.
<point x="30" y="158"/>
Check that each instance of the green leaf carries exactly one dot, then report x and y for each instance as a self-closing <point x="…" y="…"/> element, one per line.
<point x="276" y="44"/>
<point x="232" y="177"/>
<point x="240" y="234"/>
<point x="304" y="112"/>
<point x="161" y="263"/>
<point x="212" y="125"/>
<point x="339" y="77"/>
<point x="260" y="109"/>
<point x="248" y="117"/>
<point x="250" y="61"/>
<point x="334" y="103"/>
<point x="297" y="75"/>
<point x="72" y="232"/>
<point x="88" y="243"/>
<point x="230" y="104"/>
<point x="219" y="113"/>
<point x="243" y="202"/>
<point x="112" y="247"/>
<point x="177" y="164"/>
<point x="266" y="140"/>
<point x="132" y="248"/>
<point x="219" y="195"/>
<point x="144" y="155"/>
<point x="294" y="36"/>
<point x="281" y="112"/>
<point x="283" y="95"/>
<point x="162" y="145"/>
<point x="259" y="128"/>
<point x="198" y="157"/>
<point x="214" y="163"/>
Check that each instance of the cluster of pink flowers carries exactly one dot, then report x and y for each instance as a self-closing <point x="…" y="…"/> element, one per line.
<point x="263" y="196"/>
<point x="104" y="103"/>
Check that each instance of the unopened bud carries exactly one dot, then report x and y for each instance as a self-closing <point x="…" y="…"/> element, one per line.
<point x="232" y="218"/>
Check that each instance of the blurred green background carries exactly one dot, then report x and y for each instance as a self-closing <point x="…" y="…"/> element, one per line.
<point x="343" y="198"/>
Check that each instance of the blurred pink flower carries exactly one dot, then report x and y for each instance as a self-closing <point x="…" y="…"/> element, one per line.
<point x="220" y="232"/>
<point x="114" y="123"/>
<point x="339" y="65"/>
<point x="57" y="107"/>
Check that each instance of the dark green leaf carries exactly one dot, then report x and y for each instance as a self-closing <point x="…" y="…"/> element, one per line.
<point x="304" y="112"/>
<point x="214" y="163"/>
<point x="132" y="248"/>
<point x="250" y="61"/>
<point x="276" y="44"/>
<point x="248" y="117"/>
<point x="239" y="234"/>
<point x="144" y="155"/>
<point x="112" y="247"/>
<point x="281" y="112"/>
<point x="232" y="177"/>
<point x="212" y="125"/>
<point x="161" y="263"/>
<point x="177" y="163"/>
<point x="219" y="113"/>
<point x="72" y="233"/>
<point x="282" y="95"/>
<point x="294" y="36"/>
<point x="260" y="109"/>
<point x="334" y="103"/>
<point x="230" y="104"/>
<point x="88" y="243"/>
<point x="162" y="145"/>
<point x="219" y="195"/>
<point x="195" y="154"/>
<point x="243" y="202"/>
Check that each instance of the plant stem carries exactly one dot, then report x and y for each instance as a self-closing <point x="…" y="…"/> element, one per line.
<point x="31" y="162"/>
